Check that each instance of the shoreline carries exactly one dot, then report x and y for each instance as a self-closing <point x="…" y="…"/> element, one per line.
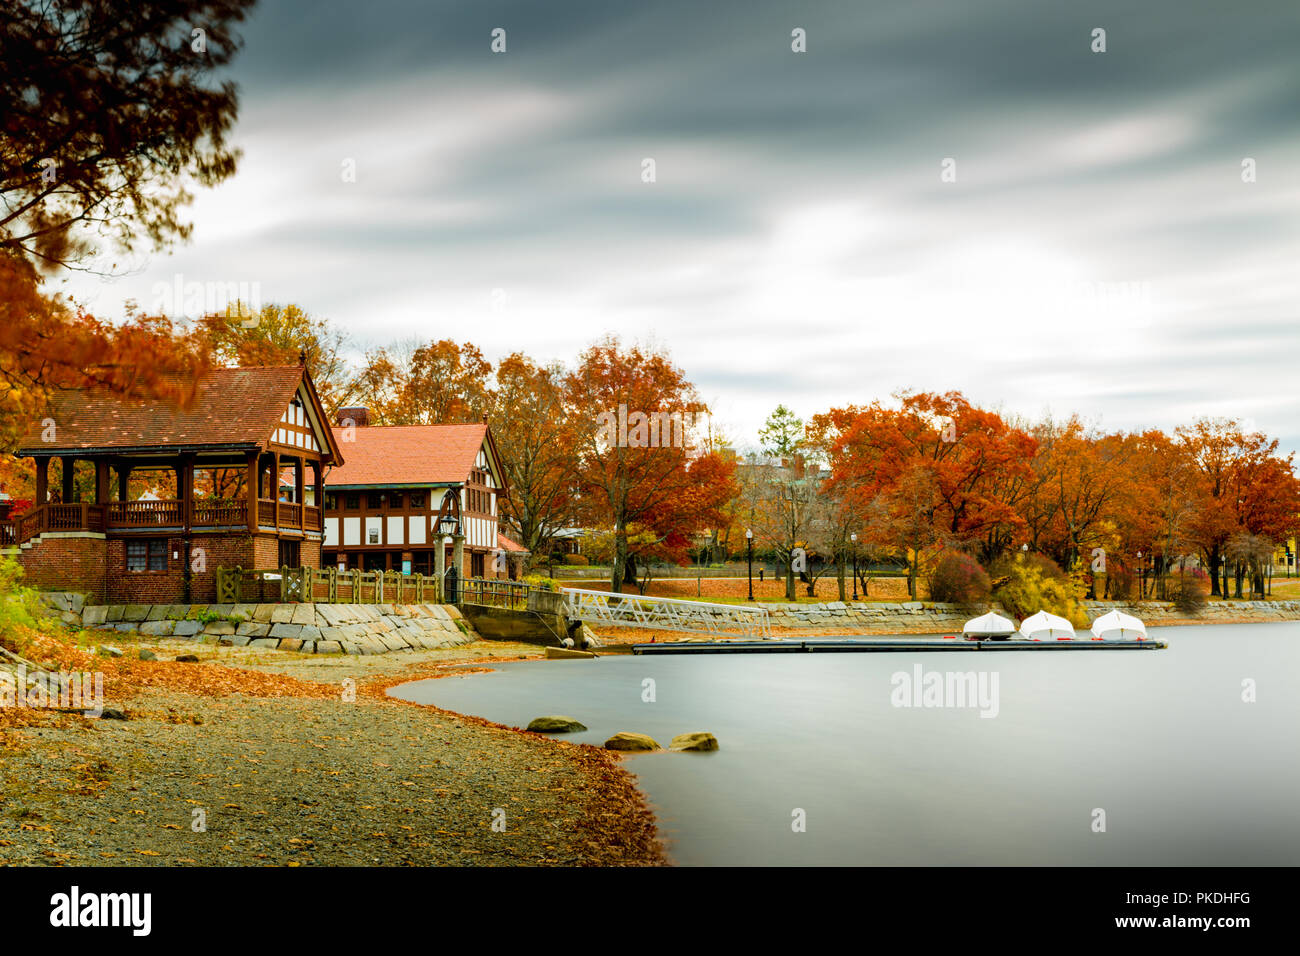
<point x="288" y="773"/>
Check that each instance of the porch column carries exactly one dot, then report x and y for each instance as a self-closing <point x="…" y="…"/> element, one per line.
<point x="42" y="481"/>
<point x="318" y="488"/>
<point x="299" y="477"/>
<point x="68" y="466"/>
<point x="252" y="483"/>
<point x="186" y="474"/>
<point x="459" y="557"/>
<point x="123" y="481"/>
<point x="102" y="494"/>
<point x="275" y="489"/>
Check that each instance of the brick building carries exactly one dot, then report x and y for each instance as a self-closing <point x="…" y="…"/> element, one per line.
<point x="382" y="507"/>
<point x="152" y="499"/>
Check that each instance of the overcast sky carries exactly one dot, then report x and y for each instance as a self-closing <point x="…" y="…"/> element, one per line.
<point x="1098" y="251"/>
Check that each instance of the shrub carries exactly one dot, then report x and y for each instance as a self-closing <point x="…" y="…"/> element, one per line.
<point x="542" y="582"/>
<point x="958" y="579"/>
<point x="1188" y="590"/>
<point x="1026" y="584"/>
<point x="17" y="603"/>
<point x="577" y="560"/>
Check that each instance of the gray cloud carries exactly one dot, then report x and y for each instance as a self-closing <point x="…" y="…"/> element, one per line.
<point x="1098" y="253"/>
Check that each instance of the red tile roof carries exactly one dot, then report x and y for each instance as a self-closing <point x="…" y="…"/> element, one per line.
<point x="505" y="544"/>
<point x="235" y="406"/>
<point x="385" y="455"/>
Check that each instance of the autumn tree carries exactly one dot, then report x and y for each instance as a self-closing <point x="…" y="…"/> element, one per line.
<point x="634" y="413"/>
<point x="47" y="344"/>
<point x="432" y="383"/>
<point x="537" y="438"/>
<point x="109" y="112"/>
<point x="280" y="335"/>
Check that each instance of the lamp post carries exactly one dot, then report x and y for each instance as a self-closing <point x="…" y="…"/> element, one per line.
<point x="854" y="538"/>
<point x="1142" y="578"/>
<point x="749" y="549"/>
<point x="449" y="526"/>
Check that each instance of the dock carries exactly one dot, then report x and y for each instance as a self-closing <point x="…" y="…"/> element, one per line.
<point x="887" y="645"/>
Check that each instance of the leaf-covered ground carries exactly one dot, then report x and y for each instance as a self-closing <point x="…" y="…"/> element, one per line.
<point x="240" y="759"/>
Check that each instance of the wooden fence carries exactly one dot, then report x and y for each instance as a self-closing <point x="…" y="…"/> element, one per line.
<point x="324" y="586"/>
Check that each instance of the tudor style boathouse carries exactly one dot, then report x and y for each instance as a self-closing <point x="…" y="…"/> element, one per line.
<point x="382" y="507"/>
<point x="151" y="499"/>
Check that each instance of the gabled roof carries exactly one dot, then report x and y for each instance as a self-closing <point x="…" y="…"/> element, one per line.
<point x="391" y="455"/>
<point x="510" y="545"/>
<point x="235" y="408"/>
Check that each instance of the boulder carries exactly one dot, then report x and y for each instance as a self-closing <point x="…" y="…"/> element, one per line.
<point x="694" y="741"/>
<point x="628" y="741"/>
<point x="110" y="651"/>
<point x="147" y="655"/>
<point x="187" y="659"/>
<point x="555" y="724"/>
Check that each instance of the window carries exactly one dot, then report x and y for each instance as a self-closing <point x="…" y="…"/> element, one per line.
<point x="148" y="555"/>
<point x="331" y="501"/>
<point x="374" y="500"/>
<point x="353" y="501"/>
<point x="395" y="501"/>
<point x="289" y="554"/>
<point x="417" y="499"/>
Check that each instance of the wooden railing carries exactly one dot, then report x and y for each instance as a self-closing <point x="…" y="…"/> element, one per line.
<point x="81" y="516"/>
<point x="324" y="586"/>
<point x="220" y="514"/>
<point x="290" y="515"/>
<point x="141" y="515"/>
<point x="495" y="592"/>
<point x="146" y="514"/>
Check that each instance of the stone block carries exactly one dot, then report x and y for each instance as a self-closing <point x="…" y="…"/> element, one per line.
<point x="136" y="612"/>
<point x="286" y="630"/>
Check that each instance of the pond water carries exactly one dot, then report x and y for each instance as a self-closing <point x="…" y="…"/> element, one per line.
<point x="1157" y="747"/>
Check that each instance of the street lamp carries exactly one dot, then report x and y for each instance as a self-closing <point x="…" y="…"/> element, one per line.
<point x="854" y="538"/>
<point x="1142" y="578"/>
<point x="749" y="548"/>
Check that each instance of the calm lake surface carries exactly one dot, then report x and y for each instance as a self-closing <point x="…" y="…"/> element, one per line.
<point x="1186" y="772"/>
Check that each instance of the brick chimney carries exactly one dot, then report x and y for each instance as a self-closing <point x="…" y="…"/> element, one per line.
<point x="358" y="416"/>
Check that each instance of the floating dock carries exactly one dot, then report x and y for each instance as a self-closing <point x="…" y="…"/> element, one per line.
<point x="887" y="645"/>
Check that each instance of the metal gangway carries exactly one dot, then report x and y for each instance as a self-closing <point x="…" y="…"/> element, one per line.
<point x="665" y="614"/>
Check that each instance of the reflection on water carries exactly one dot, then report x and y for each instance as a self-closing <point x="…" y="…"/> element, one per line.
<point x="1161" y="741"/>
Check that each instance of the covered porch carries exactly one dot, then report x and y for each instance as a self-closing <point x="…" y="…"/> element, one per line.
<point x="115" y="493"/>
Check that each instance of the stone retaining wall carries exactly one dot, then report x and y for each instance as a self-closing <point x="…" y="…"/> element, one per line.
<point x="306" y="628"/>
<point x="926" y="617"/>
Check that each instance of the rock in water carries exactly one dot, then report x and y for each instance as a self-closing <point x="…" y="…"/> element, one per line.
<point x="555" y="724"/>
<point x="626" y="741"/>
<point x="696" y="741"/>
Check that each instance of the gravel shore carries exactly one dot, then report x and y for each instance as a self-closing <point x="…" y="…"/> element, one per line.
<point x="308" y="778"/>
